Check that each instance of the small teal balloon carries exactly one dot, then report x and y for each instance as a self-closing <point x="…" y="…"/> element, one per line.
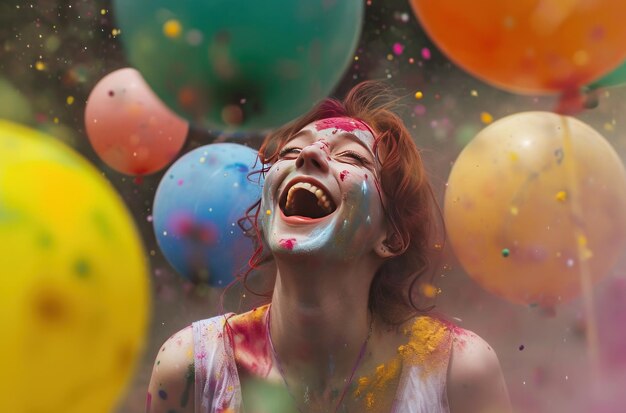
<point x="615" y="78"/>
<point x="197" y="206"/>
<point x="239" y="64"/>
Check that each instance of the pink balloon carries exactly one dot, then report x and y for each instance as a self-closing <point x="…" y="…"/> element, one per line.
<point x="130" y="129"/>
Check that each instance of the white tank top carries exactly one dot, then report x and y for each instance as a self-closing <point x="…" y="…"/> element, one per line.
<point x="422" y="386"/>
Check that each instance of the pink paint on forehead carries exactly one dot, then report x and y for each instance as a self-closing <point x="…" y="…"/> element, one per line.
<point x="343" y="123"/>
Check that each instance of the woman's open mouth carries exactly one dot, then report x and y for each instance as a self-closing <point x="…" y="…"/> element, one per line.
<point x="305" y="199"/>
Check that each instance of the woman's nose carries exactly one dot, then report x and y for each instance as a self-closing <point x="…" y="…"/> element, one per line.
<point x="313" y="156"/>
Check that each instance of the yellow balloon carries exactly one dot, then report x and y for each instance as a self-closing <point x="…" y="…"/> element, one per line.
<point x="74" y="287"/>
<point x="535" y="205"/>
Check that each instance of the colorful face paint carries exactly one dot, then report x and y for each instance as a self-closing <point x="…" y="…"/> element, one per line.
<point x="341" y="123"/>
<point x="320" y="194"/>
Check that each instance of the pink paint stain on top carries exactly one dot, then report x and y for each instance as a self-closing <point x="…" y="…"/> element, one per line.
<point x="288" y="243"/>
<point x="343" y="123"/>
<point x="343" y="174"/>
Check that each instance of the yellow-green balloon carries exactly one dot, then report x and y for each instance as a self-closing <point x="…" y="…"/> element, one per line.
<point x="74" y="287"/>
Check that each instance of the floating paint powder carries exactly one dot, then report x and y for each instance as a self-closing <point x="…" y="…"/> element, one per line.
<point x="398" y="48"/>
<point x="419" y="110"/>
<point x="426" y="53"/>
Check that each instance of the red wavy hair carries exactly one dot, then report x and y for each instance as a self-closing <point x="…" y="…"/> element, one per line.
<point x="411" y="208"/>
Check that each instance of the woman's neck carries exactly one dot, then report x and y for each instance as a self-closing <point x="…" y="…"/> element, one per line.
<point x="320" y="319"/>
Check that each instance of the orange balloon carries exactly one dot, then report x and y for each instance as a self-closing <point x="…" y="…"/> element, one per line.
<point x="535" y="202"/>
<point x="529" y="46"/>
<point x="130" y="129"/>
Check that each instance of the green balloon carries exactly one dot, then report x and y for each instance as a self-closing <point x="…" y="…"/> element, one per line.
<point x="615" y="78"/>
<point x="237" y="64"/>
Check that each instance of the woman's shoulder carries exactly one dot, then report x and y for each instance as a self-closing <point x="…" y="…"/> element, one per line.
<point x="173" y="369"/>
<point x="475" y="380"/>
<point x="196" y="346"/>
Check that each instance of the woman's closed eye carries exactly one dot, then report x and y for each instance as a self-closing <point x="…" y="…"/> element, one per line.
<point x="289" y="152"/>
<point x="354" y="156"/>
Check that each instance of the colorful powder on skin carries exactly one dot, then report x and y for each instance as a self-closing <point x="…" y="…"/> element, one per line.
<point x="345" y="124"/>
<point x="148" y="401"/>
<point x="426" y="336"/>
<point x="288" y="243"/>
<point x="425" y="348"/>
<point x="248" y="334"/>
<point x="163" y="394"/>
<point x="343" y="174"/>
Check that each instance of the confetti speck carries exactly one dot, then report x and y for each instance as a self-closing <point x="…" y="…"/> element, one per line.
<point x="486" y="118"/>
<point x="172" y="28"/>
<point x="561" y="196"/>
<point x="398" y="48"/>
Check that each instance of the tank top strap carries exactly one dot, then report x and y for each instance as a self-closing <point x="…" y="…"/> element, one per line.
<point x="217" y="387"/>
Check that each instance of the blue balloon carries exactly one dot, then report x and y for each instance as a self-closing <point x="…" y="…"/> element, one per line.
<point x="197" y="207"/>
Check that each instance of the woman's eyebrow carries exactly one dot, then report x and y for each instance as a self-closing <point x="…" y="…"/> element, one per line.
<point x="302" y="132"/>
<point x="354" y="138"/>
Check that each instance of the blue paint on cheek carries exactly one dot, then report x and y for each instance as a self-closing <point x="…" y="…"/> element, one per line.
<point x="163" y="394"/>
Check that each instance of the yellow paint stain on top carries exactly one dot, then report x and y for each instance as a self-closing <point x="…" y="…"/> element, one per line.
<point x="39" y="65"/>
<point x="428" y="339"/>
<point x="419" y="94"/>
<point x="513" y="156"/>
<point x="561" y="196"/>
<point x="172" y="28"/>
<point x="69" y="100"/>
<point x="427" y="335"/>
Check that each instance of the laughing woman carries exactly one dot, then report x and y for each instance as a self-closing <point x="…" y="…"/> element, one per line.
<point x="346" y="215"/>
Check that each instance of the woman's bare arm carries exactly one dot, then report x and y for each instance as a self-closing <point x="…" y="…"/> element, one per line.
<point x="172" y="383"/>
<point x="475" y="381"/>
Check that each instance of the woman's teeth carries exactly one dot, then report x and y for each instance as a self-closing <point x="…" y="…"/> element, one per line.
<point x="322" y="199"/>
